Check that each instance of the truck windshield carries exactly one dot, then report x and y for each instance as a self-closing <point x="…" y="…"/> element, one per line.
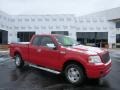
<point x="66" y="41"/>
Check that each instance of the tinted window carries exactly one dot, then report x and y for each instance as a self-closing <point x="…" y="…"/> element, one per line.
<point x="36" y="41"/>
<point x="46" y="40"/>
<point x="66" y="41"/>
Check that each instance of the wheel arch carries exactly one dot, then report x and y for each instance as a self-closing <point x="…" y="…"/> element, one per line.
<point x="17" y="52"/>
<point x="72" y="61"/>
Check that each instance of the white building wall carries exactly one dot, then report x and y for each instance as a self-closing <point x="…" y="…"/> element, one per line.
<point x="43" y="24"/>
<point x="97" y="22"/>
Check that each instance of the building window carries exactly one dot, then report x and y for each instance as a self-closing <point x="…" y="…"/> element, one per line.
<point x="8" y="19"/>
<point x="60" y="32"/>
<point x="7" y="27"/>
<point x="81" y="21"/>
<point x="72" y="27"/>
<point x="5" y="18"/>
<point x="118" y="24"/>
<point x="101" y="20"/>
<point x="57" y="27"/>
<point x="22" y="27"/>
<point x="46" y="19"/>
<point x="61" y="19"/>
<point x="50" y="27"/>
<point x="32" y="19"/>
<point x="69" y="19"/>
<point x="94" y="20"/>
<point x="19" y="20"/>
<point x="43" y="27"/>
<point x="27" y="20"/>
<point x="88" y="20"/>
<point x="54" y="19"/>
<point x="39" y="19"/>
<point x="10" y="27"/>
<point x="111" y="28"/>
<point x="105" y="28"/>
<point x="29" y="27"/>
<point x="91" y="28"/>
<point x="3" y="37"/>
<point x="118" y="38"/>
<point x="12" y="20"/>
<point x="65" y="27"/>
<point x="16" y="27"/>
<point x="2" y="25"/>
<point x="78" y="28"/>
<point x="84" y="28"/>
<point x="24" y="36"/>
<point x="36" y="27"/>
<point x="92" y="38"/>
<point x="98" y="28"/>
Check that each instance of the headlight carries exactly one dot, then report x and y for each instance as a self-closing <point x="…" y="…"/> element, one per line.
<point x="95" y="60"/>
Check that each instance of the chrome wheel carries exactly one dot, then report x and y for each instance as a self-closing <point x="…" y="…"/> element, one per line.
<point x="17" y="60"/>
<point x="73" y="75"/>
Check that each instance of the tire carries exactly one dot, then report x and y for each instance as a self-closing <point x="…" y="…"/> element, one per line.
<point x="18" y="61"/>
<point x="74" y="74"/>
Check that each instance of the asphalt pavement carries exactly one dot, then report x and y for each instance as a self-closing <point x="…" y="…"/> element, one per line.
<point x="28" y="78"/>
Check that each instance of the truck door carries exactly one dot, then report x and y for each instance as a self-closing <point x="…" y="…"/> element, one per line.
<point x="34" y="50"/>
<point x="49" y="54"/>
<point x="42" y="52"/>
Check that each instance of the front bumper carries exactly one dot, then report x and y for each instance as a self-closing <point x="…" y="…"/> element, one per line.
<point x="98" y="71"/>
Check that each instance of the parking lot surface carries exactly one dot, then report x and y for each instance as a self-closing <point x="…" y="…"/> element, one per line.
<point x="29" y="78"/>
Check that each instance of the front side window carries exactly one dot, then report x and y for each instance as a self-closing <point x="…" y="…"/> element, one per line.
<point x="47" y="42"/>
<point x="66" y="41"/>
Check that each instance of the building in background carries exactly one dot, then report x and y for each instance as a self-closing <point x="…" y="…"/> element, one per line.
<point x="93" y="29"/>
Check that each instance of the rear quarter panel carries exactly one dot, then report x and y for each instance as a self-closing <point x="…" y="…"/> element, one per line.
<point x="22" y="49"/>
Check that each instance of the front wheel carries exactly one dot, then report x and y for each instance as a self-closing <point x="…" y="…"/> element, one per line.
<point x="18" y="61"/>
<point x="74" y="74"/>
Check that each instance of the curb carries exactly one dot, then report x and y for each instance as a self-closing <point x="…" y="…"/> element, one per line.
<point x="6" y="51"/>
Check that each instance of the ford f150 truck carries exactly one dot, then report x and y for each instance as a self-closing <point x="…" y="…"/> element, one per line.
<point x="62" y="54"/>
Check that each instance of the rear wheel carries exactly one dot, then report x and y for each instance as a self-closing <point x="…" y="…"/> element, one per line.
<point x="18" y="61"/>
<point x="74" y="74"/>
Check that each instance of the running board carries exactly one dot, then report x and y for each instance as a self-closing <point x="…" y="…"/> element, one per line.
<point x="46" y="69"/>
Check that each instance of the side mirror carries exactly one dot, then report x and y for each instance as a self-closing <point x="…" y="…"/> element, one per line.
<point x="51" y="45"/>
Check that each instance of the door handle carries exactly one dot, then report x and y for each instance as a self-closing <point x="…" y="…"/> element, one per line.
<point x="39" y="50"/>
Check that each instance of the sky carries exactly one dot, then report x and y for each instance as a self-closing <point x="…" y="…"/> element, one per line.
<point x="38" y="7"/>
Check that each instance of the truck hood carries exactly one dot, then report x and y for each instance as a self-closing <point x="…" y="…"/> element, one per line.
<point x="87" y="49"/>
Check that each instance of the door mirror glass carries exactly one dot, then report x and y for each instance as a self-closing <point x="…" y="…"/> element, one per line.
<point x="51" y="45"/>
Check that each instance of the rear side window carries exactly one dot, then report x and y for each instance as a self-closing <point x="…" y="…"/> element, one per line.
<point x="36" y="41"/>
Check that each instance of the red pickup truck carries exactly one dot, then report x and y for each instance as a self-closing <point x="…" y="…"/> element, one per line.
<point x="62" y="54"/>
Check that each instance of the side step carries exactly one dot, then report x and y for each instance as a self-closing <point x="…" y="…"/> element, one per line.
<point x="46" y="69"/>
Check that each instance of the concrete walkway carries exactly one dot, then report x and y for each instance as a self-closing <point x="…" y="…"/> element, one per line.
<point x="4" y="51"/>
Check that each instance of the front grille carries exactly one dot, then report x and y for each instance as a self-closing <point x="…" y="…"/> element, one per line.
<point x="105" y="57"/>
